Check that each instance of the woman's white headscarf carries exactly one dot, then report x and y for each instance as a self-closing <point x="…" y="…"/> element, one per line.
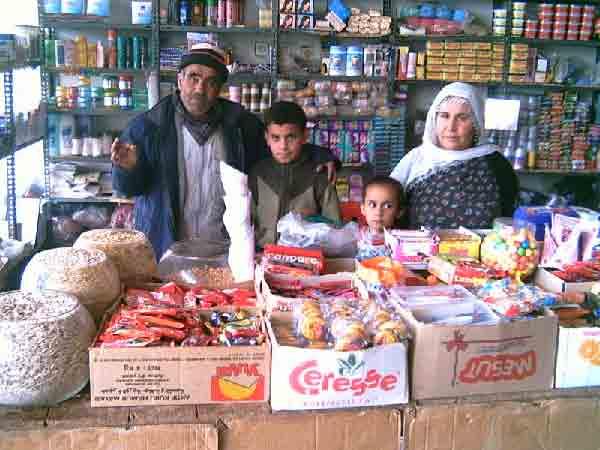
<point x="429" y="157"/>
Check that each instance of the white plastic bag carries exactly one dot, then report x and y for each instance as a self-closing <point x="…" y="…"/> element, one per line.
<point x="335" y="242"/>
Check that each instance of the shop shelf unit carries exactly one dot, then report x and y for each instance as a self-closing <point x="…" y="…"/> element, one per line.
<point x="9" y="144"/>
<point x="69" y="23"/>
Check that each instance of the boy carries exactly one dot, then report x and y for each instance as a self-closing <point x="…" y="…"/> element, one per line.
<point x="287" y="181"/>
<point x="383" y="206"/>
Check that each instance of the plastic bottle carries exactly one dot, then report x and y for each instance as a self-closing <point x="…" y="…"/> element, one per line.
<point x="81" y="51"/>
<point x="66" y="134"/>
<point x="153" y="90"/>
<point x="265" y="98"/>
<point x="184" y="12"/>
<point x="198" y="13"/>
<point x="111" y="50"/>
<point x="211" y="13"/>
<point x="174" y="12"/>
<point x="53" y="141"/>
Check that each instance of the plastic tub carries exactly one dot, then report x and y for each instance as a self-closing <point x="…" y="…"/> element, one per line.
<point x="354" y="61"/>
<point x="71" y="7"/>
<point x="337" y="60"/>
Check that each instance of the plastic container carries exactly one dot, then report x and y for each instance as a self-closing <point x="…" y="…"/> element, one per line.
<point x="196" y="262"/>
<point x="354" y="61"/>
<point x="517" y="31"/>
<point x="518" y="14"/>
<point x="98" y="7"/>
<point x="500" y="13"/>
<point x="499" y="31"/>
<point x="52" y="6"/>
<point x="337" y="60"/>
<point x="518" y="23"/>
<point x="71" y="7"/>
<point x="572" y="35"/>
<point x="519" y="6"/>
<point x="499" y="22"/>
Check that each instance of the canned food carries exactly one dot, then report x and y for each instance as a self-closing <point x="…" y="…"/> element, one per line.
<point x="500" y="13"/>
<point x="546" y="7"/>
<point x="519" y="6"/>
<point x="500" y="31"/>
<point x="518" y="14"/>
<point x="546" y="24"/>
<point x="499" y="22"/>
<point x="518" y="23"/>
<point x="544" y="34"/>
<point x="517" y="31"/>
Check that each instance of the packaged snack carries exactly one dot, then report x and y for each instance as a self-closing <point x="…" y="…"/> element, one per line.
<point x="292" y="260"/>
<point x="512" y="251"/>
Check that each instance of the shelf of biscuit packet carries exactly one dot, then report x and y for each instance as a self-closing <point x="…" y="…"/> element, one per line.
<point x="150" y="325"/>
<point x="344" y="325"/>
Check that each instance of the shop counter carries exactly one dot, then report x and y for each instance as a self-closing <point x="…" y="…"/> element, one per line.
<point x="557" y="419"/>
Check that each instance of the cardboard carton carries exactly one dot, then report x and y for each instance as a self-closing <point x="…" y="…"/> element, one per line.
<point x="545" y="279"/>
<point x="178" y="375"/>
<point x="455" y="361"/>
<point x="461" y="242"/>
<point x="325" y="379"/>
<point x="578" y="357"/>
<point x="338" y="273"/>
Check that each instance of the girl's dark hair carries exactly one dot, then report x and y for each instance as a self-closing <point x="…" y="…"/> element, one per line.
<point x="282" y="113"/>
<point x="393" y="184"/>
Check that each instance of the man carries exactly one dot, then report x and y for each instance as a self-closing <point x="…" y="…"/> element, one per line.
<point x="169" y="156"/>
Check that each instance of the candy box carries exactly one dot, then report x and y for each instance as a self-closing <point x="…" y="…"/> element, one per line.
<point x="461" y="242"/>
<point x="412" y="247"/>
<point x="326" y="379"/>
<point x="538" y="216"/>
<point x="546" y="279"/>
<point x="287" y="6"/>
<point x="304" y="7"/>
<point x="305" y="21"/>
<point x="467" y="272"/>
<point x="287" y="21"/>
<point x="455" y="360"/>
<point x="136" y="376"/>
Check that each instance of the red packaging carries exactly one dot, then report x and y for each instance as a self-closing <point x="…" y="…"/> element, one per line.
<point x="585" y="36"/>
<point x="530" y="34"/>
<point x="545" y="35"/>
<point x="561" y="8"/>
<point x="572" y="36"/>
<point x="589" y="10"/>
<point x="293" y="260"/>
<point x="573" y="28"/>
<point x="546" y="24"/>
<point x="558" y="36"/>
<point x="546" y="16"/>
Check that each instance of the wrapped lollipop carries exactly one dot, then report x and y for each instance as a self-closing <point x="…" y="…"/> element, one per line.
<point x="513" y="251"/>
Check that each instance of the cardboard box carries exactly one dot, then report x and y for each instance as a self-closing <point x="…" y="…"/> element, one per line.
<point x="455" y="361"/>
<point x="338" y="272"/>
<point x="578" y="357"/>
<point x="545" y="279"/>
<point x="325" y="379"/>
<point x="136" y="376"/>
<point x="460" y="242"/>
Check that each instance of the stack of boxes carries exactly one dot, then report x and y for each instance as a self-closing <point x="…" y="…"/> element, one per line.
<point x="518" y="69"/>
<point x="559" y="22"/>
<point x="465" y="61"/>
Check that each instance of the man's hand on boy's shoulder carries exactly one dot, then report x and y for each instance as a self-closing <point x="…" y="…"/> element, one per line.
<point x="331" y="170"/>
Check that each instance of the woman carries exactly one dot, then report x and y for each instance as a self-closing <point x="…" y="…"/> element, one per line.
<point x="454" y="178"/>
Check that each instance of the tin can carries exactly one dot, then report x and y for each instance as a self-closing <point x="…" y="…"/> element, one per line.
<point x="122" y="52"/>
